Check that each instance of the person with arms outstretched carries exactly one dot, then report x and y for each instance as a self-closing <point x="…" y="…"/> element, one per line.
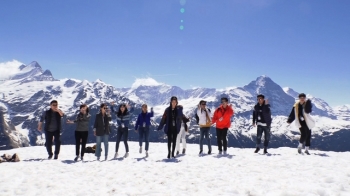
<point x="222" y="118"/>
<point x="52" y="128"/>
<point x="82" y="130"/>
<point x="300" y="114"/>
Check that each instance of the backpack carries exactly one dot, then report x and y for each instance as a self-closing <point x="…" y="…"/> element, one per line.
<point x="197" y="117"/>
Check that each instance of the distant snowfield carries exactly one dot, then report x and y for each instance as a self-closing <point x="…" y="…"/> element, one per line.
<point x="242" y="172"/>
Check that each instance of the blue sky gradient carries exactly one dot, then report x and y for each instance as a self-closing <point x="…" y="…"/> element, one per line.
<point x="301" y="44"/>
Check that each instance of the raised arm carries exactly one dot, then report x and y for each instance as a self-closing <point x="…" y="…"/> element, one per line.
<point x="308" y="106"/>
<point x="137" y="123"/>
<point x="151" y="114"/>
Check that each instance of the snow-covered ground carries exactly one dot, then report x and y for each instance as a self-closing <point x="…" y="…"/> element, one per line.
<point x="242" y="172"/>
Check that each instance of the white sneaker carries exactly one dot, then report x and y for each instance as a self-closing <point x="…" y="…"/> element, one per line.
<point x="225" y="152"/>
<point x="146" y="154"/>
<point x="220" y="152"/>
<point x="140" y="151"/>
<point x="116" y="155"/>
<point x="126" y="155"/>
<point x="105" y="158"/>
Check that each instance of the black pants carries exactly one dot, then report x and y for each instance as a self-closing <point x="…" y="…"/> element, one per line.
<point x="122" y="132"/>
<point x="305" y="135"/>
<point x="83" y="136"/>
<point x="221" y="135"/>
<point x="172" y="135"/>
<point x="49" y="136"/>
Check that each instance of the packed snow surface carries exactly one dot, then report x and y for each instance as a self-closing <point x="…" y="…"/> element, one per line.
<point x="241" y="172"/>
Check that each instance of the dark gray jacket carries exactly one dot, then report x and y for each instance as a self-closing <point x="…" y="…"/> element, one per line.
<point x="101" y="125"/>
<point x="82" y="122"/>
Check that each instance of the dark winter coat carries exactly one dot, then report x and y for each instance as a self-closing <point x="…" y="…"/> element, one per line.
<point x="166" y="119"/>
<point x="266" y="114"/>
<point x="101" y="125"/>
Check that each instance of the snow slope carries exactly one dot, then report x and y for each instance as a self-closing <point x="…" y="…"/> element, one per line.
<point x="242" y="172"/>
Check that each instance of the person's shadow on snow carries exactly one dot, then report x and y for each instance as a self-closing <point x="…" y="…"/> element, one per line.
<point x="269" y="155"/>
<point x="321" y="154"/>
<point x="37" y="160"/>
<point x="69" y="161"/>
<point x="141" y="159"/>
<point x="229" y="156"/>
<point x="169" y="161"/>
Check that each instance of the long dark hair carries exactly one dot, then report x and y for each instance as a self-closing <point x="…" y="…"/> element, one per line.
<point x="102" y="106"/>
<point x="87" y="108"/>
<point x="120" y="113"/>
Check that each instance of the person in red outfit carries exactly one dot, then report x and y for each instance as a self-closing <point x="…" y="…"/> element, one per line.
<point x="222" y="118"/>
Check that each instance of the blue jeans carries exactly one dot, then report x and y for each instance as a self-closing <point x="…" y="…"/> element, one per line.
<point x="260" y="131"/>
<point x="100" y="139"/>
<point x="144" y="133"/>
<point x="204" y="133"/>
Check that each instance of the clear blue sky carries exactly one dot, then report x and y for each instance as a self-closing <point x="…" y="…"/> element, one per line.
<point x="301" y="44"/>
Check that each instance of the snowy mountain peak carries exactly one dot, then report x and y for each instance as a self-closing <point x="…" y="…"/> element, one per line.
<point x="22" y="67"/>
<point x="47" y="73"/>
<point x="261" y="80"/>
<point x="33" y="64"/>
<point x="291" y="92"/>
<point x="145" y="82"/>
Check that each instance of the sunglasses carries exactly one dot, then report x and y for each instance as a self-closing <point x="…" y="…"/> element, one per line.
<point x="203" y="104"/>
<point x="105" y="108"/>
<point x="223" y="102"/>
<point x="54" y="105"/>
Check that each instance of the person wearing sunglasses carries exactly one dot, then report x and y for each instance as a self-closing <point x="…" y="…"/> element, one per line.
<point x="204" y="122"/>
<point x="142" y="125"/>
<point x="123" y="119"/>
<point x="102" y="130"/>
<point x="222" y="118"/>
<point x="52" y="128"/>
<point x="262" y="118"/>
<point x="300" y="114"/>
<point x="171" y="122"/>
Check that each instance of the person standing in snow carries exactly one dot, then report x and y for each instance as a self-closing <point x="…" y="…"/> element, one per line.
<point x="262" y="118"/>
<point x="81" y="131"/>
<point x="303" y="120"/>
<point x="204" y="122"/>
<point x="52" y="128"/>
<point x="182" y="135"/>
<point x="142" y="126"/>
<point x="222" y="118"/>
<point x="123" y="120"/>
<point x="171" y="122"/>
<point x="102" y="130"/>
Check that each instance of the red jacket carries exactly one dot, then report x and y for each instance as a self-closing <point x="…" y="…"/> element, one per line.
<point x="226" y="114"/>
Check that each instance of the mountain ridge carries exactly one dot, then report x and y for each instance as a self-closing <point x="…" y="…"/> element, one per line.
<point x="25" y="97"/>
